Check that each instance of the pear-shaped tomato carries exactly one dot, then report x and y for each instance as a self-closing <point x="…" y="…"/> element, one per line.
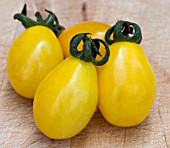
<point x="67" y="98"/>
<point x="126" y="84"/>
<point x="97" y="30"/>
<point x="34" y="53"/>
<point x="31" y="57"/>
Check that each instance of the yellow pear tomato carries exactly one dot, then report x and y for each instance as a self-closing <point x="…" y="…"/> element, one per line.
<point x="97" y="30"/>
<point x="33" y="54"/>
<point x="67" y="98"/>
<point x="31" y="57"/>
<point x="127" y="84"/>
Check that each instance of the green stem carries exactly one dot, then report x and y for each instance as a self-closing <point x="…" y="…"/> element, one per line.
<point x="124" y="31"/>
<point x="38" y="16"/>
<point x="51" y="21"/>
<point x="24" y="10"/>
<point x="90" y="49"/>
<point x="106" y="56"/>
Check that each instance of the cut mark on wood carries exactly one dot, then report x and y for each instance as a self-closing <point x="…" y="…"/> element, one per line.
<point x="3" y="78"/>
<point x="70" y="143"/>
<point x="124" y="139"/>
<point x="162" y="127"/>
<point x="84" y="11"/>
<point x="33" y="142"/>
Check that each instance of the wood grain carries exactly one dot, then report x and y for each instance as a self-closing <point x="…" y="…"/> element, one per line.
<point x="18" y="128"/>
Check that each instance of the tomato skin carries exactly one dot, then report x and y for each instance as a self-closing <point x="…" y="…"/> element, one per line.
<point x="127" y="85"/>
<point x="97" y="30"/>
<point x="66" y="99"/>
<point x="31" y="57"/>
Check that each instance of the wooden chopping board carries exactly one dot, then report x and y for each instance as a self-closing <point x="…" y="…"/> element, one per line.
<point x="17" y="126"/>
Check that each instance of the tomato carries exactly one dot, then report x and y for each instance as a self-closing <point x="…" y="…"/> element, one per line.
<point x="97" y="30"/>
<point x="34" y="53"/>
<point x="127" y="84"/>
<point x="31" y="57"/>
<point x="67" y="98"/>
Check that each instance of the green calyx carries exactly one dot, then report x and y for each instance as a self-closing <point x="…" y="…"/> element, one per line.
<point x="90" y="49"/>
<point x="124" y="31"/>
<point x="51" y="21"/>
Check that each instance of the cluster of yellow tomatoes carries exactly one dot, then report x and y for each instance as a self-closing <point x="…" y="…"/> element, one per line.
<point x="69" y="72"/>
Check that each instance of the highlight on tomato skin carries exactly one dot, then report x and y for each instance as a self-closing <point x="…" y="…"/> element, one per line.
<point x="127" y="83"/>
